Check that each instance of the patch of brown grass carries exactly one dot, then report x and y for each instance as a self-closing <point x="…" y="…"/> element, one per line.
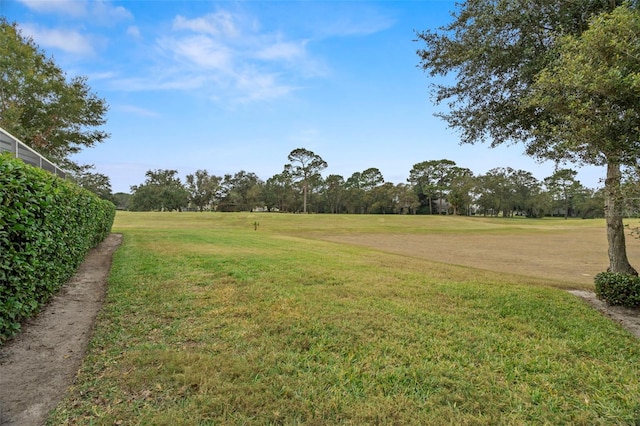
<point x="568" y="258"/>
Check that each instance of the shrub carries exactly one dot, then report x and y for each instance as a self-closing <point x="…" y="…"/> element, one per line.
<point x="47" y="225"/>
<point x="618" y="289"/>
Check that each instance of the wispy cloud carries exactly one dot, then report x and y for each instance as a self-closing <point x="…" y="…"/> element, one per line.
<point x="102" y="11"/>
<point x="260" y="86"/>
<point x="142" y="112"/>
<point x="204" y="52"/>
<point x="69" y="41"/>
<point x="229" y="56"/>
<point x="73" y="8"/>
<point x="348" y="19"/>
<point x="289" y="50"/>
<point x="226" y="57"/>
<point x="134" y="32"/>
<point x="221" y="23"/>
<point x="109" y="13"/>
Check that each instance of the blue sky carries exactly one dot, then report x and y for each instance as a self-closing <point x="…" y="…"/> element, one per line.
<point x="237" y="85"/>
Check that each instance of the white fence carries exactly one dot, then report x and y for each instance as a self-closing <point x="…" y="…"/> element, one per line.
<point x="9" y="143"/>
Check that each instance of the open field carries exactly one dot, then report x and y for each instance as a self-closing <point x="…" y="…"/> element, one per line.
<point x="354" y="320"/>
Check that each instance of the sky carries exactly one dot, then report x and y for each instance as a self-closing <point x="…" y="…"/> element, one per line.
<point x="226" y="86"/>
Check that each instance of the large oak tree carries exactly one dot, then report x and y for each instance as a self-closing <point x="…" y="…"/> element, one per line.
<point x="589" y="98"/>
<point x="497" y="49"/>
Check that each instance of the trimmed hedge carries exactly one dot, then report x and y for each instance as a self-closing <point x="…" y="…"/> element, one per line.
<point x="618" y="289"/>
<point x="47" y="225"/>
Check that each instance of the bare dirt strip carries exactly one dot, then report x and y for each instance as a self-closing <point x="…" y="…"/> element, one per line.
<point x="572" y="257"/>
<point x="38" y="365"/>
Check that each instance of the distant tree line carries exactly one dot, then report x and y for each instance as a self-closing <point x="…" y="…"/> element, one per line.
<point x="433" y="187"/>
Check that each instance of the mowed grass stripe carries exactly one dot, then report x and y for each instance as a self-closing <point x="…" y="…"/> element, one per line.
<point x="210" y="322"/>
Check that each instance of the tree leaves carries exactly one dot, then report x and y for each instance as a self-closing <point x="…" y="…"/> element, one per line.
<point x="47" y="225"/>
<point x="56" y="115"/>
<point x="495" y="49"/>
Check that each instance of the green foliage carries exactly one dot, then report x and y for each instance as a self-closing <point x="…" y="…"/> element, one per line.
<point x="305" y="167"/>
<point x="618" y="289"/>
<point x="97" y="183"/>
<point x="162" y="190"/>
<point x="495" y="49"/>
<point x="589" y="97"/>
<point x="590" y="94"/>
<point x="240" y="192"/>
<point x="203" y="189"/>
<point x="47" y="225"/>
<point x="53" y="114"/>
<point x="561" y="77"/>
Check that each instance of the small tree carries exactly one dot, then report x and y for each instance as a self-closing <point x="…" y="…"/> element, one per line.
<point x="563" y="188"/>
<point x="431" y="180"/>
<point x="241" y="192"/>
<point x="97" y="183"/>
<point x="278" y="191"/>
<point x="203" y="188"/>
<point x="162" y="190"/>
<point x="304" y="166"/>
<point x="334" y="192"/>
<point x="460" y="187"/>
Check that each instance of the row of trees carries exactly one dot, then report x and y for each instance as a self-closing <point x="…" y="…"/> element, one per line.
<point x="433" y="187"/>
<point x="560" y="77"/>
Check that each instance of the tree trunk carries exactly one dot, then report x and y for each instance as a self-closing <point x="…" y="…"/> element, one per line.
<point x="618" y="261"/>
<point x="304" y="197"/>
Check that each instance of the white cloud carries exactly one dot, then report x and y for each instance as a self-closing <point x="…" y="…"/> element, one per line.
<point x="282" y="50"/>
<point x="236" y="61"/>
<point x="226" y="58"/>
<point x="66" y="40"/>
<point x="143" y="112"/>
<point x="101" y="11"/>
<point x="167" y="79"/>
<point x="65" y="7"/>
<point x="355" y="27"/>
<point x="134" y="31"/>
<point x="106" y="11"/>
<point x="254" y="86"/>
<point x="108" y="75"/>
<point x="204" y="52"/>
<point x="217" y="24"/>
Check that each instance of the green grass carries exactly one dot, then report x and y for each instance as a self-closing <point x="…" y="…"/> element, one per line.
<point x="210" y="322"/>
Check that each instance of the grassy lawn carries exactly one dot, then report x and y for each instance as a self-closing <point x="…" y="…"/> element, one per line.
<point x="208" y="321"/>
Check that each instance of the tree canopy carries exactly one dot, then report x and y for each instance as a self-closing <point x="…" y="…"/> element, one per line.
<point x="56" y="115"/>
<point x="589" y="98"/>
<point x="496" y="48"/>
<point x="560" y="77"/>
<point x="162" y="190"/>
<point x="304" y="166"/>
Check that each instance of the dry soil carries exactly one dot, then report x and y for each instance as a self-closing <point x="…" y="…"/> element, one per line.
<point x="38" y="365"/>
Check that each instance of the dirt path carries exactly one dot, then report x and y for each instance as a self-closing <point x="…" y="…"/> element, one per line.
<point x="38" y="365"/>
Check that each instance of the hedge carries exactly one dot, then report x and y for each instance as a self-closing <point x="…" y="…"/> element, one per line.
<point x="618" y="289"/>
<point x="47" y="226"/>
